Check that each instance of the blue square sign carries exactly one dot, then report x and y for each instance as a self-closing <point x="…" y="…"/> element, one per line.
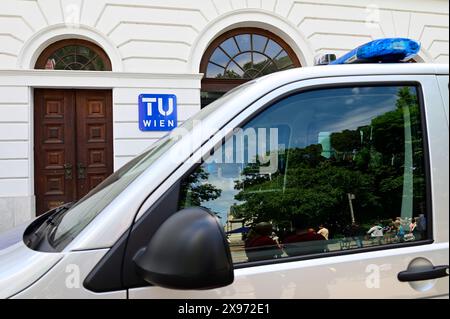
<point x="157" y="112"/>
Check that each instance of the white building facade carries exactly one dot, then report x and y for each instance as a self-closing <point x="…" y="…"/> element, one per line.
<point x="154" y="47"/>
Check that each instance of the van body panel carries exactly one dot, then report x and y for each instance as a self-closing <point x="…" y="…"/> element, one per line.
<point x="21" y="267"/>
<point x="372" y="273"/>
<point x="65" y="280"/>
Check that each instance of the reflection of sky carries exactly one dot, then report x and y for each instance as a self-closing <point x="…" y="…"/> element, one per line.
<point x="306" y="116"/>
<point x="360" y="117"/>
<point x="309" y="114"/>
<point x="230" y="47"/>
<point x="226" y="184"/>
<point x="239" y="49"/>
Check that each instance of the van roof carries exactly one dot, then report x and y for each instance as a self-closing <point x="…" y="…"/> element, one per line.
<point x="314" y="72"/>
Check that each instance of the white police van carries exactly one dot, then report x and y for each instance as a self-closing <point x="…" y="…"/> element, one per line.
<point x="321" y="182"/>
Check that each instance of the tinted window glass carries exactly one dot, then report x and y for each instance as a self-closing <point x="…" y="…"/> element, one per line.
<point x="326" y="170"/>
<point x="75" y="57"/>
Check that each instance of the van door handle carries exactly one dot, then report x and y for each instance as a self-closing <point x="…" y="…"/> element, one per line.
<point x="429" y="274"/>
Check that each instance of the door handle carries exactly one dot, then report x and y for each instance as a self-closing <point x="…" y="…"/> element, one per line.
<point x="81" y="169"/>
<point x="68" y="169"/>
<point x="429" y="274"/>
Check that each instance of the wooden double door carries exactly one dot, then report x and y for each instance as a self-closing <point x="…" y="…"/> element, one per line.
<point x="73" y="149"/>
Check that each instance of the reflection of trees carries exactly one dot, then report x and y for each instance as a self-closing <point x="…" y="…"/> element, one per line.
<point x="253" y="70"/>
<point x="229" y="74"/>
<point x="367" y="162"/>
<point x="195" y="192"/>
<point x="314" y="187"/>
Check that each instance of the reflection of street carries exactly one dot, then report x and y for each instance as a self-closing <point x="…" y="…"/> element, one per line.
<point x="237" y="246"/>
<point x="238" y="253"/>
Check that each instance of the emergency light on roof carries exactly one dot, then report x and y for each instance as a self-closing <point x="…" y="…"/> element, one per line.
<point x="390" y="50"/>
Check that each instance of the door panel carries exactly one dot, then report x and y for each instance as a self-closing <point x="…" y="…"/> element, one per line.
<point x="364" y="276"/>
<point x="94" y="135"/>
<point x="54" y="148"/>
<point x="73" y="144"/>
<point x="369" y="273"/>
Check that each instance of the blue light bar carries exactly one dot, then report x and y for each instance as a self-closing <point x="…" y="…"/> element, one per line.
<point x="390" y="50"/>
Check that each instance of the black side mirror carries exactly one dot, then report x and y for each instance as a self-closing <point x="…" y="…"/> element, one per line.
<point x="189" y="252"/>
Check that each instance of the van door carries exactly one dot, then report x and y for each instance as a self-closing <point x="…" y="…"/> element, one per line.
<point x="327" y="193"/>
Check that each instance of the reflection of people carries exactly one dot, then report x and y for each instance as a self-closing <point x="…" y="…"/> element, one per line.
<point x="421" y="227"/>
<point x="355" y="232"/>
<point x="303" y="235"/>
<point x="400" y="229"/>
<point x="376" y="232"/>
<point x="412" y="229"/>
<point x="412" y="225"/>
<point x="305" y="240"/>
<point x="390" y="232"/>
<point x="259" y="245"/>
<point x="324" y="232"/>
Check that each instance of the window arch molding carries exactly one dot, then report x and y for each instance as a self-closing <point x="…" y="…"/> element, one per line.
<point x="251" y="17"/>
<point x="74" y="54"/>
<point x="262" y="53"/>
<point x="39" y="41"/>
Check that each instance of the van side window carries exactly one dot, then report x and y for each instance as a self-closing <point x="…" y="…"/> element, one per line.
<point x="321" y="171"/>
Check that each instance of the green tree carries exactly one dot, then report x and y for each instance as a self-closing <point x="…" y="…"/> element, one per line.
<point x="195" y="190"/>
<point x="368" y="163"/>
<point x="346" y="141"/>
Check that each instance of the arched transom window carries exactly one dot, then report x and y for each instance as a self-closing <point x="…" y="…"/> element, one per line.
<point x="242" y="55"/>
<point x="77" y="55"/>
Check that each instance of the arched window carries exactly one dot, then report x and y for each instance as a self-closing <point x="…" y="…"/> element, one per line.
<point x="242" y="55"/>
<point x="74" y="54"/>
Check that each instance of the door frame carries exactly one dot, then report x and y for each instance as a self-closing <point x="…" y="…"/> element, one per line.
<point x="32" y="130"/>
<point x="30" y="79"/>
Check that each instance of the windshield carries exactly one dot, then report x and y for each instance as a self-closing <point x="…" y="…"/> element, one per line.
<point x="75" y="219"/>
